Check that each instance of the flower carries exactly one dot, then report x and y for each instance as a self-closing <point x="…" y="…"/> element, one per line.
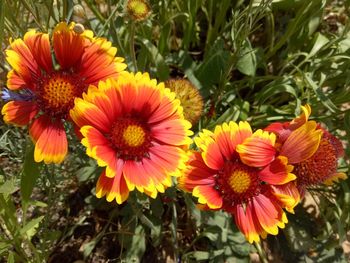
<point x="238" y="171"/>
<point x="136" y="129"/>
<point x="312" y="150"/>
<point x="81" y="60"/>
<point x="191" y="100"/>
<point x="138" y="10"/>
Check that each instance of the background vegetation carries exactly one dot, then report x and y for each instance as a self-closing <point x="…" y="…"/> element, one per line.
<point x="251" y="60"/>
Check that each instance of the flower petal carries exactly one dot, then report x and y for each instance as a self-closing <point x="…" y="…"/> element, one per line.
<point x="112" y="188"/>
<point x="287" y="194"/>
<point x="135" y="176"/>
<point x="302" y="143"/>
<point x="39" y="45"/>
<point x="208" y="195"/>
<point x="167" y="107"/>
<point x="196" y="173"/>
<point x="174" y="132"/>
<point x="98" y="147"/>
<point x="258" y="150"/>
<point x="50" y="139"/>
<point x="23" y="63"/>
<point x="19" y="112"/>
<point x="210" y="150"/>
<point x="247" y="223"/>
<point x="160" y="179"/>
<point x="14" y="81"/>
<point x="335" y="178"/>
<point x="171" y="158"/>
<point x="228" y="136"/>
<point x="301" y="119"/>
<point x="98" y="61"/>
<point x="86" y="113"/>
<point x="278" y="172"/>
<point x="68" y="45"/>
<point x="269" y="214"/>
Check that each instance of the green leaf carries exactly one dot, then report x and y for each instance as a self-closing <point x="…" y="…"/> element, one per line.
<point x="2" y="20"/>
<point x="11" y="258"/>
<point x="8" y="188"/>
<point x="137" y="245"/>
<point x="319" y="42"/>
<point x="347" y="122"/>
<point x="87" y="173"/>
<point x="273" y="89"/>
<point x="89" y="247"/>
<point x="214" y="64"/>
<point x="237" y="243"/>
<point x="298" y="238"/>
<point x="30" y="174"/>
<point x="4" y="247"/>
<point x="246" y="63"/>
<point x="204" y="255"/>
<point x="163" y="71"/>
<point x="29" y="230"/>
<point x="320" y="93"/>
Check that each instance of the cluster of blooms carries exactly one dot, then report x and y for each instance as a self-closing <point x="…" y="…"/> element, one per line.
<point x="140" y="132"/>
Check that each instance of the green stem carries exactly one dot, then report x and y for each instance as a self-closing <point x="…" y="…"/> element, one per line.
<point x="31" y="11"/>
<point x="261" y="253"/>
<point x="132" y="45"/>
<point x="101" y="31"/>
<point x="174" y="232"/>
<point x="96" y="12"/>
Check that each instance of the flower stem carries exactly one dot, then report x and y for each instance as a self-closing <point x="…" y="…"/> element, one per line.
<point x="261" y="253"/>
<point x="132" y="45"/>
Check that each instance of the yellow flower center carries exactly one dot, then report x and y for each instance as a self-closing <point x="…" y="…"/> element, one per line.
<point x="58" y="92"/>
<point x="131" y="139"/>
<point x="239" y="181"/>
<point x="134" y="135"/>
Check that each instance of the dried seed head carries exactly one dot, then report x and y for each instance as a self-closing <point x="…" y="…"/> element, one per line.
<point x="189" y="96"/>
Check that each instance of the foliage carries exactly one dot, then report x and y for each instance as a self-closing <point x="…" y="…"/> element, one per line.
<point x="251" y="60"/>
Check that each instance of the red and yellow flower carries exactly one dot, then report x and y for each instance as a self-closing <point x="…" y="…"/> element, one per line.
<point x="312" y="150"/>
<point x="238" y="171"/>
<point x="135" y="128"/>
<point x="52" y="84"/>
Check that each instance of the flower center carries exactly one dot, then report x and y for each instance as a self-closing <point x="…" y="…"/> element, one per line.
<point x="237" y="183"/>
<point x="130" y="138"/>
<point x="56" y="93"/>
<point x="318" y="167"/>
<point x="134" y="135"/>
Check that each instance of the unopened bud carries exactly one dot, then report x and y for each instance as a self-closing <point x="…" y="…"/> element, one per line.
<point x="79" y="11"/>
<point x="138" y="10"/>
<point x="78" y="28"/>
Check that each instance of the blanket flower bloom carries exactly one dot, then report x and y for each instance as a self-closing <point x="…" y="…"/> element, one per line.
<point x="238" y="171"/>
<point x="312" y="150"/>
<point x="135" y="128"/>
<point x="46" y="91"/>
